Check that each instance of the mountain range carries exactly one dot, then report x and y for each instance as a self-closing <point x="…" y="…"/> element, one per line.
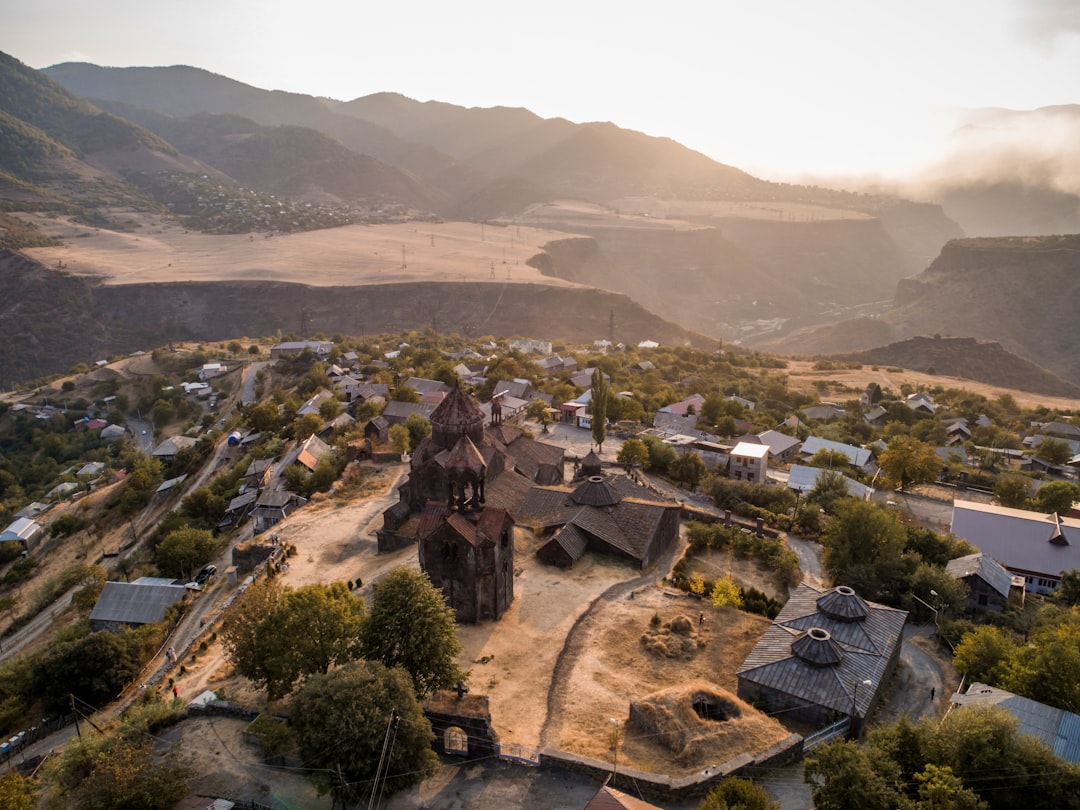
<point x="702" y="244"/>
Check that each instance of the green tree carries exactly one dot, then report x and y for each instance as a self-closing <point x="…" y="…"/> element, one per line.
<point x="726" y="593"/>
<point x="1046" y="669"/>
<point x="661" y="455"/>
<point x="1068" y="592"/>
<point x="941" y="789"/>
<point x="864" y="544"/>
<point x="330" y="409"/>
<point x="262" y="418"/>
<point x="984" y="654"/>
<point x="688" y="469"/>
<point x="94" y="668"/>
<point x="399" y="439"/>
<point x="846" y="776"/>
<point x="306" y="425"/>
<point x="16" y="793"/>
<point x="276" y="636"/>
<point x="116" y="773"/>
<point x="411" y="626"/>
<point x="419" y="427"/>
<point x="735" y="793"/>
<point x="537" y="410"/>
<point x="1056" y="497"/>
<point x="342" y="719"/>
<point x="598" y="407"/>
<point x="830" y="486"/>
<point x="907" y="461"/>
<point x="633" y="451"/>
<point x="184" y="551"/>
<point x="1012" y="490"/>
<point x="1053" y="450"/>
<point x="827" y="459"/>
<point x="405" y="393"/>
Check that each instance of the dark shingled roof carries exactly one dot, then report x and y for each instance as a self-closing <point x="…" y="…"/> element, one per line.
<point x="464" y="456"/>
<point x="628" y="525"/>
<point x="595" y="491"/>
<point x="865" y="647"/>
<point x="843" y="604"/>
<point x="457" y="410"/>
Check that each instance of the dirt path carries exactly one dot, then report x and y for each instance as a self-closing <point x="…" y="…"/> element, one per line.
<point x="924" y="680"/>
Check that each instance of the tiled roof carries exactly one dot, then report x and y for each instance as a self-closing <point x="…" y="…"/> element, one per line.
<point x="457" y="410"/>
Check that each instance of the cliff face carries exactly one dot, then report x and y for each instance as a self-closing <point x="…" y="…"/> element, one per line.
<point x="54" y="321"/>
<point x="1021" y="292"/>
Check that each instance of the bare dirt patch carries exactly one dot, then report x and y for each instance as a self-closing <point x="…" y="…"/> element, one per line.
<point x="847" y="383"/>
<point x="614" y="665"/>
<point x="159" y="251"/>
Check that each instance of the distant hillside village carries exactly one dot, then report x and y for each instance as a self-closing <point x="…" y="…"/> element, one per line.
<point x="194" y="456"/>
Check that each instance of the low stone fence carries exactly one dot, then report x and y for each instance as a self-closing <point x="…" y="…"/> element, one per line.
<point x="658" y="787"/>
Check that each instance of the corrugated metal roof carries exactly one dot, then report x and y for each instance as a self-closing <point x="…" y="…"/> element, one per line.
<point x="1019" y="539"/>
<point x="983" y="566"/>
<point x="135" y="602"/>
<point x="1057" y="729"/>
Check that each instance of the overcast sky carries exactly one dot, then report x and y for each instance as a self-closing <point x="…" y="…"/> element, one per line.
<point x="776" y="88"/>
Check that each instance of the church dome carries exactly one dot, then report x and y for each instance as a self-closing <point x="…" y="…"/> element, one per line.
<point x="843" y="604"/>
<point x="595" y="491"/>
<point x="816" y="646"/>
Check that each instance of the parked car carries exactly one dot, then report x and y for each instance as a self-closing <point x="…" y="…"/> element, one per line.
<point x="206" y="574"/>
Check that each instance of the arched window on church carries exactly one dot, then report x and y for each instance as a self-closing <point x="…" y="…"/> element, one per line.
<point x="456" y="741"/>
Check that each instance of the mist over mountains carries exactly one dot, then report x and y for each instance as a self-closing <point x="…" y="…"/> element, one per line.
<point x="701" y="244"/>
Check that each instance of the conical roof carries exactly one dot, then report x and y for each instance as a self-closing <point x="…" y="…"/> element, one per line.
<point x="457" y="410"/>
<point x="465" y="456"/>
<point x="843" y="604"/>
<point x="590" y="465"/>
<point x="456" y="416"/>
<point x="817" y="647"/>
<point x="595" y="491"/>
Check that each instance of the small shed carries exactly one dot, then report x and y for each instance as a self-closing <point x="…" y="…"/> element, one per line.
<point x="988" y="582"/>
<point x="22" y="530"/>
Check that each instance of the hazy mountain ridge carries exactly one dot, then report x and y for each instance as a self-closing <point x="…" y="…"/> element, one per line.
<point x="1020" y="292"/>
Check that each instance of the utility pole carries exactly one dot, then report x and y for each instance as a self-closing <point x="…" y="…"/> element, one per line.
<point x="76" y="713"/>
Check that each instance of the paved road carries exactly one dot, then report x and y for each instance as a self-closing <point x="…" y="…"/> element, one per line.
<point x="247" y="387"/>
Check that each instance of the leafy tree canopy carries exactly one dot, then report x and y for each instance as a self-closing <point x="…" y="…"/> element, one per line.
<point x="411" y="626"/>
<point x="343" y="717"/>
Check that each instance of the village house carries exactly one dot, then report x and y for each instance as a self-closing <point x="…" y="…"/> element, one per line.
<point x="827" y="652"/>
<point x="782" y="448"/>
<point x="133" y="604"/>
<point x="989" y="584"/>
<point x="1033" y="545"/>
<point x="803" y="479"/>
<point x="395" y="413"/>
<point x="314" y="405"/>
<point x="24" y="531"/>
<point x="749" y="462"/>
<point x="921" y="403"/>
<point x="1057" y="729"/>
<point x="272" y="507"/>
<point x="858" y="457"/>
<point x="377" y="430"/>
<point x="609" y="515"/>
<point x="583" y="378"/>
<point x="320" y="348"/>
<point x="166" y="451"/>
<point x="825" y="412"/>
